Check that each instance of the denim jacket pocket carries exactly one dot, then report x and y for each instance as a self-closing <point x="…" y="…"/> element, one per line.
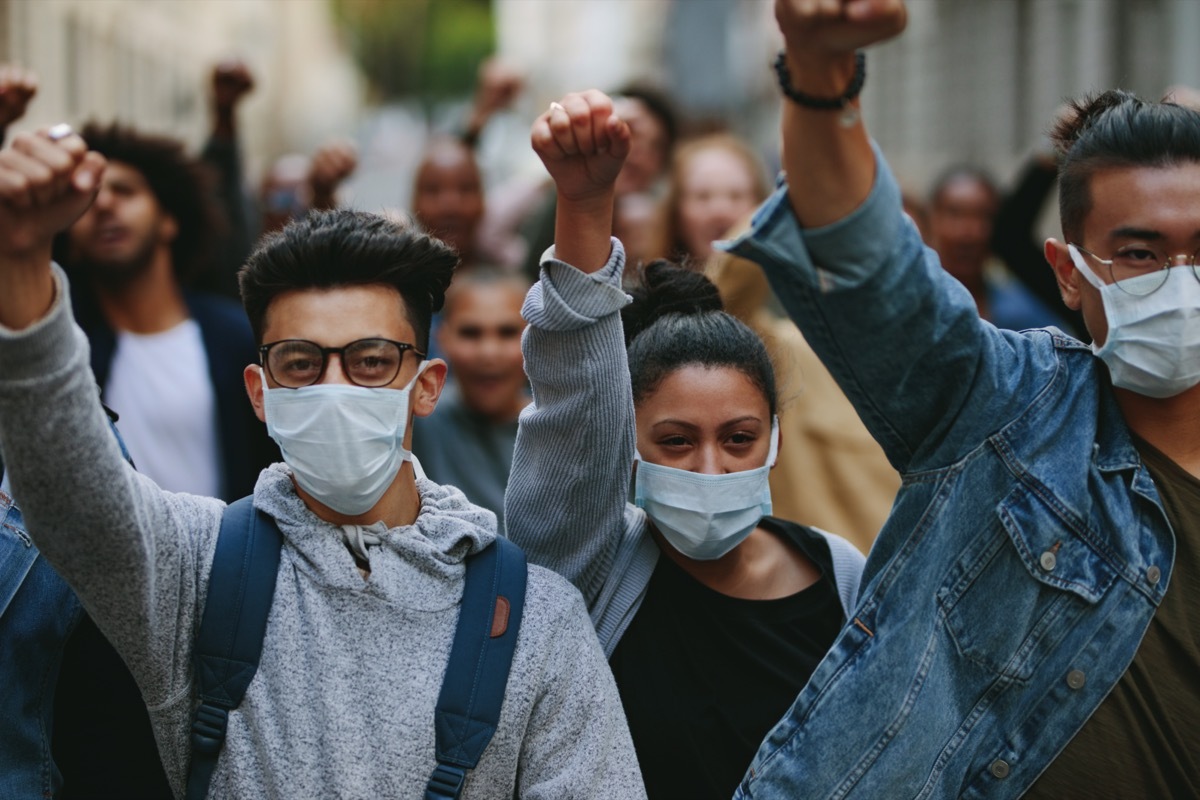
<point x="1016" y="591"/>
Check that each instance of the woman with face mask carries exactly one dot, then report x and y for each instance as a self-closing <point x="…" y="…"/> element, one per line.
<point x="713" y="614"/>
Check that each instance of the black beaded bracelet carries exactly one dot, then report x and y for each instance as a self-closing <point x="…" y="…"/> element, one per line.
<point x="822" y="103"/>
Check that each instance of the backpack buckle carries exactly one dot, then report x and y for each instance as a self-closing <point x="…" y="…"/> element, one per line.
<point x="445" y="783"/>
<point x="208" y="729"/>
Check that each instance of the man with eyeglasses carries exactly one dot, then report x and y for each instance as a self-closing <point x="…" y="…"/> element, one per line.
<point x="1028" y="623"/>
<point x="371" y="570"/>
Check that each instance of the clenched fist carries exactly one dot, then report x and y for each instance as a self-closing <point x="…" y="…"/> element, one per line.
<point x="45" y="185"/>
<point x="582" y="143"/>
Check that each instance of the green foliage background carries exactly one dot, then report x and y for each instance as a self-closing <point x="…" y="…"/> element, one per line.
<point x="423" y="49"/>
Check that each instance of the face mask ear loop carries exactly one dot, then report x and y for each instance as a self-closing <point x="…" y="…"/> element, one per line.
<point x="1079" y="261"/>
<point x="421" y="367"/>
<point x="773" y="453"/>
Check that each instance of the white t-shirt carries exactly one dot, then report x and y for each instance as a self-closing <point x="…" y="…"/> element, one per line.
<point x="160" y="387"/>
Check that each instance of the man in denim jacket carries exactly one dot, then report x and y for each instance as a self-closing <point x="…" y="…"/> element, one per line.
<point x="1024" y="623"/>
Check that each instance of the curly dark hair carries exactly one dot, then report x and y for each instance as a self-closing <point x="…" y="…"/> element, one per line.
<point x="677" y="319"/>
<point x="182" y="185"/>
<point x="1117" y="129"/>
<point x="328" y="249"/>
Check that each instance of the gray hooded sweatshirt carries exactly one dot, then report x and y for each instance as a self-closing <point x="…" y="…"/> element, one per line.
<point x="343" y="701"/>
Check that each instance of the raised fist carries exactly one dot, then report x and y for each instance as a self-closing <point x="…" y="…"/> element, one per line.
<point x="837" y="27"/>
<point x="499" y="84"/>
<point x="582" y="143"/>
<point x="17" y="88"/>
<point x="331" y="164"/>
<point x="231" y="81"/>
<point x="45" y="185"/>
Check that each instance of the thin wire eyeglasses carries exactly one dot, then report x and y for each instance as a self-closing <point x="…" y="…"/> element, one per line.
<point x="296" y="363"/>
<point x="1139" y="261"/>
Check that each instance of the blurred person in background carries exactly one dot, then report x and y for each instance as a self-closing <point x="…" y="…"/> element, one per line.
<point x="231" y="83"/>
<point x="715" y="181"/>
<point x="468" y="440"/>
<point x="291" y="186"/>
<point x="296" y="184"/>
<point x="636" y="220"/>
<point x="498" y="86"/>
<point x="167" y="358"/>
<point x="962" y="210"/>
<point x="447" y="198"/>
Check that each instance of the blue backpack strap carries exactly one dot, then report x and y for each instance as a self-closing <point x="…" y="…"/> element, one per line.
<point x="468" y="708"/>
<point x="241" y="587"/>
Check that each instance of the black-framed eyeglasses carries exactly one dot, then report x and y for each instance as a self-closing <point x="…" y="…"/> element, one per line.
<point x="1137" y="261"/>
<point x="296" y="363"/>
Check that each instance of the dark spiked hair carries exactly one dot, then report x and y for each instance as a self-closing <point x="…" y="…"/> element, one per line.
<point x="330" y="249"/>
<point x="1117" y="129"/>
<point x="676" y="320"/>
<point x="181" y="185"/>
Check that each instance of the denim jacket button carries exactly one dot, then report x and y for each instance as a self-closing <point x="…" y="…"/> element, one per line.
<point x="1048" y="561"/>
<point x="999" y="768"/>
<point x="1076" y="679"/>
<point x="1152" y="575"/>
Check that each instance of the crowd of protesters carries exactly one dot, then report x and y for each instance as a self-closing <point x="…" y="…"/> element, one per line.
<point x="820" y="491"/>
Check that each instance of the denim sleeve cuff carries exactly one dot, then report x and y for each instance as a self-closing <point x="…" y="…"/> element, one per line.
<point x="566" y="299"/>
<point x="38" y="349"/>
<point x="841" y="255"/>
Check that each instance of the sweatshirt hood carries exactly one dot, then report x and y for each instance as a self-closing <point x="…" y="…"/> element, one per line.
<point x="419" y="566"/>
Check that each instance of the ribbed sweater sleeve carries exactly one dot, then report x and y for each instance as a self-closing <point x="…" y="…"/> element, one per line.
<point x="565" y="504"/>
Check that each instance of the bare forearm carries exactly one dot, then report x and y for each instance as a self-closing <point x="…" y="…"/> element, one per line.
<point x="830" y="166"/>
<point x="582" y="231"/>
<point x="26" y="288"/>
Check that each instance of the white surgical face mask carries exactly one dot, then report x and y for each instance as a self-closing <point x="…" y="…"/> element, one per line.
<point x="705" y="516"/>
<point x="1153" y="343"/>
<point x="344" y="443"/>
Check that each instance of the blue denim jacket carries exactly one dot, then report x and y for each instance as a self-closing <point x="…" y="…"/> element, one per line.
<point x="37" y="613"/>
<point x="1027" y="549"/>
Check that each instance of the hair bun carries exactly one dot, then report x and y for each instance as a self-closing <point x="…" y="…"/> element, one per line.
<point x="666" y="288"/>
<point x="1083" y="112"/>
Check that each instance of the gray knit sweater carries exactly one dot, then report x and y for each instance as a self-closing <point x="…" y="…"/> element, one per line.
<point x="342" y="704"/>
<point x="566" y="501"/>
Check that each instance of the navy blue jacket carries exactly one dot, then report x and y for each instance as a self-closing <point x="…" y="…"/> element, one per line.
<point x="244" y="445"/>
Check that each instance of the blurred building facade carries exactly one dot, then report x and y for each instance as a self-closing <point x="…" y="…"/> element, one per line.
<point x="147" y="62"/>
<point x="971" y="80"/>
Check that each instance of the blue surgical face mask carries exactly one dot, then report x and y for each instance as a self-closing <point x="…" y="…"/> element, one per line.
<point x="1153" y="342"/>
<point x="344" y="443"/>
<point x="705" y="516"/>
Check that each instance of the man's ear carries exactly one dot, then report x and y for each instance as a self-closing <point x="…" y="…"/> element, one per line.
<point x="253" y="377"/>
<point x="1065" y="272"/>
<point x="428" y="388"/>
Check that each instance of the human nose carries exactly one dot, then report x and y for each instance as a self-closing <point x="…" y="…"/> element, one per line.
<point x="104" y="199"/>
<point x="332" y="371"/>
<point x="710" y="461"/>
